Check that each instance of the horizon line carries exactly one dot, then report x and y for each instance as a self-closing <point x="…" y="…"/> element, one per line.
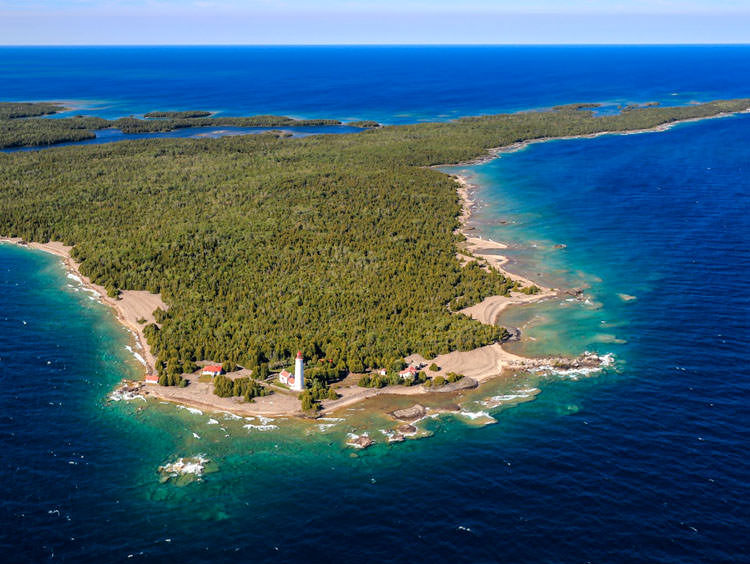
<point x="706" y="44"/>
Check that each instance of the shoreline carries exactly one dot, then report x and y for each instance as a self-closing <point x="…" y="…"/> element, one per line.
<point x="520" y="145"/>
<point x="131" y="306"/>
<point x="478" y="365"/>
<point x="490" y="309"/>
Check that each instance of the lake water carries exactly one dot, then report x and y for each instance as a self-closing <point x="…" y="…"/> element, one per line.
<point x="644" y="463"/>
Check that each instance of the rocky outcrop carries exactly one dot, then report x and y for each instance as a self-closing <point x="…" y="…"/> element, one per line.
<point x="511" y="334"/>
<point x="406" y="429"/>
<point x="410" y="413"/>
<point x="360" y="441"/>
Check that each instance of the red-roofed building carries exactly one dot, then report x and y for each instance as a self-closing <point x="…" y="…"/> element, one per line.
<point x="409" y="371"/>
<point x="212" y="370"/>
<point x="286" y="377"/>
<point x="152" y="379"/>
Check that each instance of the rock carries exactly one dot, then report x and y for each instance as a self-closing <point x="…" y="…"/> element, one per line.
<point x="396" y="438"/>
<point x="360" y="441"/>
<point x="406" y="429"/>
<point x="411" y="413"/>
<point x="464" y="383"/>
<point x="512" y="334"/>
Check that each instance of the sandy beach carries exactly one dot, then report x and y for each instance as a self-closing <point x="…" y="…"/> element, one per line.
<point x="131" y="306"/>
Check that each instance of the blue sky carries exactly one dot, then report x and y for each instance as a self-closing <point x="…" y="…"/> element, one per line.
<point x="75" y="22"/>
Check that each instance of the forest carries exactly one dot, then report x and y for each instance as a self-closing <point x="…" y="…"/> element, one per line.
<point x="10" y="110"/>
<point x="21" y="124"/>
<point x="341" y="246"/>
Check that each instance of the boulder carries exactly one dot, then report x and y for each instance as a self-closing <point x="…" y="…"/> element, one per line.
<point x="410" y="413"/>
<point x="361" y="441"/>
<point x="406" y="429"/>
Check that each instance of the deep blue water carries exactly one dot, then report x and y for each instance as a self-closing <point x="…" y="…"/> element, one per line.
<point x="646" y="464"/>
<point x="388" y="84"/>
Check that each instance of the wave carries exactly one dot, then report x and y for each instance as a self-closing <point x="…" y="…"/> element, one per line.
<point x="251" y="427"/>
<point x="520" y="394"/>
<point x="475" y="415"/>
<point x="194" y="465"/>
<point x="124" y="395"/>
<point x="137" y="356"/>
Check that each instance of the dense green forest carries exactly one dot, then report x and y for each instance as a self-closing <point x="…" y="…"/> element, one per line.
<point x="342" y="246"/>
<point x="10" y="110"/>
<point x="34" y="131"/>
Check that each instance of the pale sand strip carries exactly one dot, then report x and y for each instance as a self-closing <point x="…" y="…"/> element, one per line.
<point x="201" y="396"/>
<point x="131" y="306"/>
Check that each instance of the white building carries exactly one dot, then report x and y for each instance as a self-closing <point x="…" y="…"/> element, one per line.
<point x="299" y="375"/>
<point x="212" y="370"/>
<point x="408" y="372"/>
<point x="286" y="377"/>
<point x="295" y="381"/>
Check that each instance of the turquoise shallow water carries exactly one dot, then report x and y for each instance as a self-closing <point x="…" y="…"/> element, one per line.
<point x="646" y="463"/>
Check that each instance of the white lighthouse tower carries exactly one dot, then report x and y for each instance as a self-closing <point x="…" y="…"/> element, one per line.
<point x="299" y="376"/>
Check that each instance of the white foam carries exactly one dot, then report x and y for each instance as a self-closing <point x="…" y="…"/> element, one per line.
<point x="190" y="409"/>
<point x="251" y="427"/>
<point x="74" y="277"/>
<point x="605" y="361"/>
<point x="213" y="422"/>
<point x="124" y="395"/>
<point x="194" y="465"/>
<point x="473" y="415"/>
<point x="137" y="356"/>
<point x="323" y="427"/>
<point x="196" y="435"/>
<point x="515" y="395"/>
<point x="231" y="416"/>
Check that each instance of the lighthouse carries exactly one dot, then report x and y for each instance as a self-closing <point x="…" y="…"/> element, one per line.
<point x="299" y="377"/>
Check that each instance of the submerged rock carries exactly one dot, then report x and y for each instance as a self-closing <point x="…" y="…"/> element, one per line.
<point x="412" y="413"/>
<point x="185" y="470"/>
<point x="360" y="441"/>
<point x="511" y="334"/>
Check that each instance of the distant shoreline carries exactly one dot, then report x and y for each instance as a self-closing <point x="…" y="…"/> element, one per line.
<point x="514" y="147"/>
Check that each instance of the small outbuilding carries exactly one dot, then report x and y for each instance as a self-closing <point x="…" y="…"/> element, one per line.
<point x="152" y="379"/>
<point x="212" y="370"/>
<point x="408" y="372"/>
<point x="286" y="377"/>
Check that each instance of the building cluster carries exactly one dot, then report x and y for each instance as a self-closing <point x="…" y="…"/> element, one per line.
<point x="295" y="381"/>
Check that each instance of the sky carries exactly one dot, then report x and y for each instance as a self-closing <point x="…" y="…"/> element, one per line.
<point x="193" y="22"/>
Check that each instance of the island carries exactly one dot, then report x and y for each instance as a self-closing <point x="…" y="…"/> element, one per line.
<point x="233" y="259"/>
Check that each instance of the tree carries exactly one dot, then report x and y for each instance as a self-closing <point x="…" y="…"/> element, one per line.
<point x="307" y="401"/>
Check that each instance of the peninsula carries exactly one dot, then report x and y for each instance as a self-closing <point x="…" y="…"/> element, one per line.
<point x="346" y="248"/>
